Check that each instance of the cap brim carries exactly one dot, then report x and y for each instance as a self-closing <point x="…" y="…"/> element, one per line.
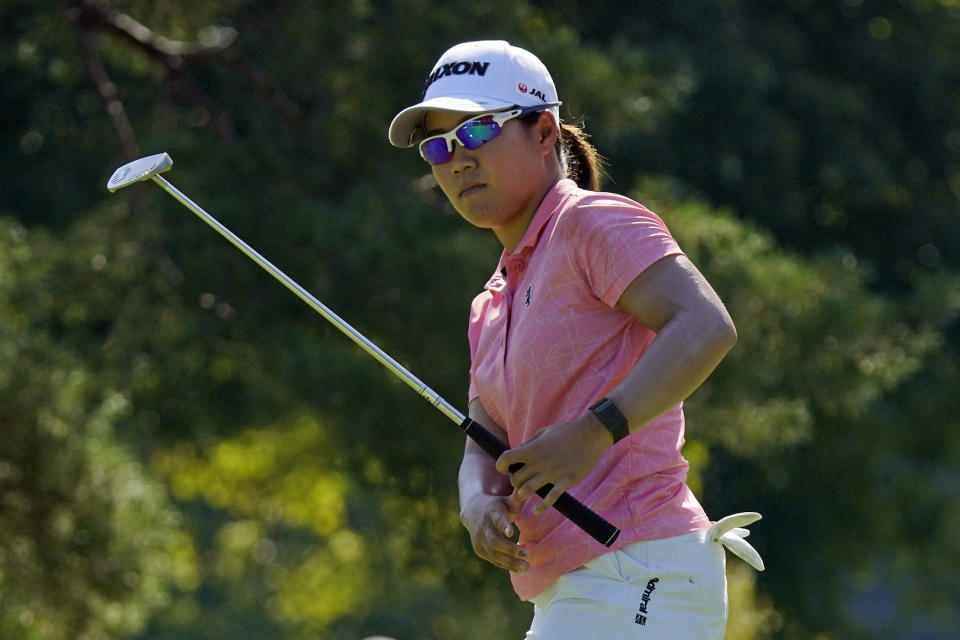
<point x="406" y="129"/>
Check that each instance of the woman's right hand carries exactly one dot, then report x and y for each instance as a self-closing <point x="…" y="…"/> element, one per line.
<point x="489" y="520"/>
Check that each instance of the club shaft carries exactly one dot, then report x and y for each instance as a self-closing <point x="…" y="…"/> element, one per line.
<point x="426" y="392"/>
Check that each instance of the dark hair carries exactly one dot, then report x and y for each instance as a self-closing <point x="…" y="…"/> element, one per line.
<point x="578" y="158"/>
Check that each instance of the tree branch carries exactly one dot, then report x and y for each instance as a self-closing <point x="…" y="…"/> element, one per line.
<point x="173" y="54"/>
<point x="108" y="96"/>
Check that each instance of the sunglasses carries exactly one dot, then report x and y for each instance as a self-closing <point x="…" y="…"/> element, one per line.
<point x="473" y="133"/>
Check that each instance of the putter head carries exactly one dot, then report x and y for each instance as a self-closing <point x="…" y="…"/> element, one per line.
<point x="142" y="169"/>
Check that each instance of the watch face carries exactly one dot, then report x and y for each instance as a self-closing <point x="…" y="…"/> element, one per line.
<point x="611" y="417"/>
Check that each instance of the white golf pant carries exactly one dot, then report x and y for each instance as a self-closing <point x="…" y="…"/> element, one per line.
<point x="672" y="589"/>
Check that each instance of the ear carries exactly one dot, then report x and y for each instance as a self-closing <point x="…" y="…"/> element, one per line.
<point x="547" y="130"/>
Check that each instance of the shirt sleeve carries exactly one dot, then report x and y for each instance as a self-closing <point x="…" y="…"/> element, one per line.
<point x="477" y="310"/>
<point x="617" y="240"/>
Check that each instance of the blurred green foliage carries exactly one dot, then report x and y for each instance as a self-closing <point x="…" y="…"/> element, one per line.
<point x="191" y="452"/>
<point x="91" y="543"/>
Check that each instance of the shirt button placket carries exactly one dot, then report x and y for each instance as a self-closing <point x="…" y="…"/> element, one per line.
<point x="515" y="269"/>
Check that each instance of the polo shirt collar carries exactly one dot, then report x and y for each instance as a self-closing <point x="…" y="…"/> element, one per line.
<point x="548" y="206"/>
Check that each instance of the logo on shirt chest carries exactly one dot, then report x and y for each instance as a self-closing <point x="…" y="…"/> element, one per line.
<point x="526" y="299"/>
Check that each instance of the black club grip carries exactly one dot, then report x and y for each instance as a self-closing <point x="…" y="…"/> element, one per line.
<point x="598" y="528"/>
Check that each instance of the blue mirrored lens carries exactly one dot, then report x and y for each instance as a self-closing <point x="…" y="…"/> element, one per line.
<point x="435" y="151"/>
<point x="476" y="132"/>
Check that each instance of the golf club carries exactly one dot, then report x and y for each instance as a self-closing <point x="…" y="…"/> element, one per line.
<point x="151" y="167"/>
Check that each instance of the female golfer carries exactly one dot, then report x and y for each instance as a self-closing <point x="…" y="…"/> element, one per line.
<point x="590" y="333"/>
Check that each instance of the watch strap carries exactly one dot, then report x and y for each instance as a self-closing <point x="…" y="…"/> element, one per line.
<point x="611" y="418"/>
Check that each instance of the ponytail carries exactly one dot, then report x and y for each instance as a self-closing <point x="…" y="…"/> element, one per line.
<point x="579" y="158"/>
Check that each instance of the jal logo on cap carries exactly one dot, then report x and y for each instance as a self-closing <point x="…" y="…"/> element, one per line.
<point x="457" y="69"/>
<point x="524" y="89"/>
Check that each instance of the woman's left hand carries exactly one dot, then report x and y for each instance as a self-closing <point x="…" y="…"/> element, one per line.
<point x="561" y="454"/>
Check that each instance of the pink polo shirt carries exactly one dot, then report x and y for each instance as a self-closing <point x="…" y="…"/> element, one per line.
<point x="547" y="341"/>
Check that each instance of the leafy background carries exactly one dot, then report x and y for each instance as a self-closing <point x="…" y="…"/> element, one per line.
<point x="190" y="452"/>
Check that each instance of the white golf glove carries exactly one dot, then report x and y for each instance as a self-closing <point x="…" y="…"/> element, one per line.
<point x="730" y="533"/>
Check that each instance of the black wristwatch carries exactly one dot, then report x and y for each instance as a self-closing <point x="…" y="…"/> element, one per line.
<point x="615" y="422"/>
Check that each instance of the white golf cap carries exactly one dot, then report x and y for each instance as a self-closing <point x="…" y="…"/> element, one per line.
<point x="474" y="77"/>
